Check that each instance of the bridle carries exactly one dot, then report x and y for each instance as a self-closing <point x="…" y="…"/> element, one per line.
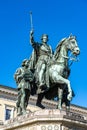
<point x="71" y="57"/>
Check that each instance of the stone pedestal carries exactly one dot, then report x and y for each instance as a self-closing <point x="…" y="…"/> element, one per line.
<point x="47" y="119"/>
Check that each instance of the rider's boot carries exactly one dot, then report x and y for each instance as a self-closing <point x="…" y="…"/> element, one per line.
<point x="39" y="99"/>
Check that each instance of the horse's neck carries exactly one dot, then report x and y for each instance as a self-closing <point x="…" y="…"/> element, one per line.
<point x="62" y="58"/>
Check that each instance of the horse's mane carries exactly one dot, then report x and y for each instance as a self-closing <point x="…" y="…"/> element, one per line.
<point x="58" y="48"/>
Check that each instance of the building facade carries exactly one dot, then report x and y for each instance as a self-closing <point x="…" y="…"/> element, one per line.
<point x="36" y="118"/>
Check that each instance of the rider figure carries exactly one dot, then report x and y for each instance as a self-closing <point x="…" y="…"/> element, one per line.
<point x="43" y="56"/>
<point x="24" y="78"/>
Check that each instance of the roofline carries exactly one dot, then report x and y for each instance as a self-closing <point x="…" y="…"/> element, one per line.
<point x="15" y="89"/>
<point x="8" y="87"/>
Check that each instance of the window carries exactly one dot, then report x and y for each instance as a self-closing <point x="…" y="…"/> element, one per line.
<point x="8" y="114"/>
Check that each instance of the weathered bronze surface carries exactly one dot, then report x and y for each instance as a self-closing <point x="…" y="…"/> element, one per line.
<point x="47" y="71"/>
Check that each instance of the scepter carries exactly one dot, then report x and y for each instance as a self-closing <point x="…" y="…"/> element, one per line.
<point x="31" y="23"/>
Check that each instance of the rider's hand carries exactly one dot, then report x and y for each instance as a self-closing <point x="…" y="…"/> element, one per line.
<point x="31" y="32"/>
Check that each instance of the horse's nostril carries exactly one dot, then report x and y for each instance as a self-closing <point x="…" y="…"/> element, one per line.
<point x="78" y="51"/>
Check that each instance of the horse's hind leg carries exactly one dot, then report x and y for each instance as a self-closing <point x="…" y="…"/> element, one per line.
<point x="67" y="105"/>
<point x="60" y="94"/>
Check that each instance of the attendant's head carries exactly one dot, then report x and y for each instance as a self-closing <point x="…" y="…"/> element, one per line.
<point x="25" y="62"/>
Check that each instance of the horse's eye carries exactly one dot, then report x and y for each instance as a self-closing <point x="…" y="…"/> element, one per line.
<point x="73" y="42"/>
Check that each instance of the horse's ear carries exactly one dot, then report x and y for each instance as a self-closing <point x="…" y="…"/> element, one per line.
<point x="71" y="36"/>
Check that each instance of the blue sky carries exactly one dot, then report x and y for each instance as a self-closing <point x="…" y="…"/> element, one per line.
<point x="57" y="18"/>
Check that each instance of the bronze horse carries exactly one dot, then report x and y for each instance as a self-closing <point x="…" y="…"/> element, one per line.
<point x="58" y="72"/>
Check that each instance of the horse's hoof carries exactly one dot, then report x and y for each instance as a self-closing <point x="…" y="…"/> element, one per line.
<point x="40" y="105"/>
<point x="67" y="108"/>
<point x="59" y="107"/>
<point x="69" y="98"/>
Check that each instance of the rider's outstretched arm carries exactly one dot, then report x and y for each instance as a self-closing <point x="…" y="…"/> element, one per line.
<point x="34" y="44"/>
<point x="31" y="37"/>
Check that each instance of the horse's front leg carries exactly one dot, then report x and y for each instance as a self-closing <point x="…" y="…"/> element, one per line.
<point x="59" y="79"/>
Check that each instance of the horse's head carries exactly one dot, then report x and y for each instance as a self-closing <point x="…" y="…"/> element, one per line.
<point x="72" y="45"/>
<point x="65" y="45"/>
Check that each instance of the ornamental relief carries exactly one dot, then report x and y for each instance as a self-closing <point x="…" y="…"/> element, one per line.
<point x="50" y="127"/>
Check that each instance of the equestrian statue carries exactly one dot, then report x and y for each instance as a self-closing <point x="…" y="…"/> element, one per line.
<point x="46" y="72"/>
<point x="51" y="70"/>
